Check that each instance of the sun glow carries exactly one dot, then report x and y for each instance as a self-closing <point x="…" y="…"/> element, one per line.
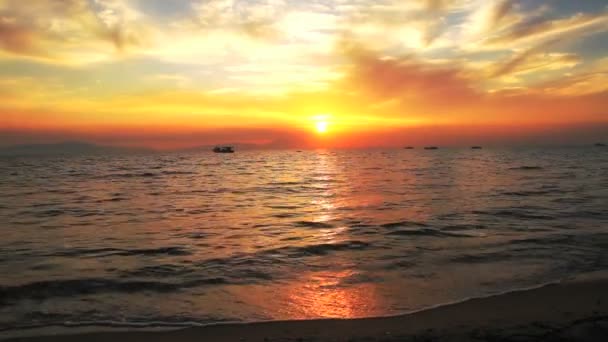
<point x="321" y="123"/>
<point x="321" y="127"/>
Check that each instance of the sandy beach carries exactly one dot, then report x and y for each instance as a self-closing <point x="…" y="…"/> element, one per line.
<point x="575" y="310"/>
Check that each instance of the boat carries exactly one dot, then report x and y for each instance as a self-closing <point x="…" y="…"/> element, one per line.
<point x="409" y="147"/>
<point x="223" y="149"/>
<point x="476" y="148"/>
<point x="600" y="145"/>
<point x="431" y="148"/>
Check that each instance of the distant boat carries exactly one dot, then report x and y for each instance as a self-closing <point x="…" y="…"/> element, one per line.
<point x="431" y="148"/>
<point x="476" y="148"/>
<point x="223" y="149"/>
<point x="409" y="147"/>
<point x="600" y="145"/>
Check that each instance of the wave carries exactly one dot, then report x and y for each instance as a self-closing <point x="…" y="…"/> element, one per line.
<point x="425" y="232"/>
<point x="315" y="250"/>
<point x="74" y="287"/>
<point x="283" y="254"/>
<point x="285" y="215"/>
<point x="402" y="224"/>
<point x="413" y="228"/>
<point x="526" y="168"/>
<point x="313" y="224"/>
<point x="291" y="207"/>
<point x="153" y="251"/>
<point x="245" y="268"/>
<point x="46" y="213"/>
<point x="106" y="252"/>
<point x="284" y="183"/>
<point x="325" y="248"/>
<point x="56" y="212"/>
<point x="527" y="193"/>
<point x="147" y="174"/>
<point x="164" y="270"/>
<point x="177" y="173"/>
<point x="573" y="250"/>
<point x="71" y="322"/>
<point x="132" y="175"/>
<point x="517" y="213"/>
<point x="464" y="226"/>
<point x="482" y="257"/>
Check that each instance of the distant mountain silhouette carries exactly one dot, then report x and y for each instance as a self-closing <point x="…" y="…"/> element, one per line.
<point x="65" y="148"/>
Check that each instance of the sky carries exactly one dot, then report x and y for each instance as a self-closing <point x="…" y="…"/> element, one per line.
<point x="320" y="73"/>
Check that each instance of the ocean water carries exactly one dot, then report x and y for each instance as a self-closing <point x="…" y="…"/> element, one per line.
<point x="200" y="238"/>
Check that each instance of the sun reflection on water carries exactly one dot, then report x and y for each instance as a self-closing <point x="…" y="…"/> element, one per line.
<point x="323" y="179"/>
<point x="334" y="294"/>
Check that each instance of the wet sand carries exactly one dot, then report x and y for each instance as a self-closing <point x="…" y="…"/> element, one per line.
<point x="576" y="310"/>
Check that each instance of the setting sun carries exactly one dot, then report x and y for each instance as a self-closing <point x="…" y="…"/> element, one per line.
<point x="321" y="126"/>
<point x="321" y="122"/>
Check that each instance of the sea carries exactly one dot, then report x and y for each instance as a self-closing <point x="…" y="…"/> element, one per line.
<point x="188" y="239"/>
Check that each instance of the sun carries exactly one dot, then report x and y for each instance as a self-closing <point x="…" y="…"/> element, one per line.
<point x="321" y="122"/>
<point x="321" y="127"/>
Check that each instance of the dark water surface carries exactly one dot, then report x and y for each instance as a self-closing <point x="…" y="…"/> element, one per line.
<point x="200" y="238"/>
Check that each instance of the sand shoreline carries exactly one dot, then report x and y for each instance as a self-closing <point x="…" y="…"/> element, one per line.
<point x="575" y="310"/>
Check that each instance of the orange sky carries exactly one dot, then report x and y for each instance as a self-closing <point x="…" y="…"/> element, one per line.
<point x="373" y="73"/>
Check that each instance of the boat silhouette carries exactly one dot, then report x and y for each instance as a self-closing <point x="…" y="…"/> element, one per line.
<point x="223" y="149"/>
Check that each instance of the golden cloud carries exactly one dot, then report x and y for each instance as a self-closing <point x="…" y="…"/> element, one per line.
<point x="69" y="31"/>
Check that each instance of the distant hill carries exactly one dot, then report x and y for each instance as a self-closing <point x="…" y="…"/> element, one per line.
<point x="65" y="148"/>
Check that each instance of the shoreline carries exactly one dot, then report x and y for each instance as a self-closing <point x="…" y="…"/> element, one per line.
<point x="120" y="326"/>
<point x="574" y="309"/>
